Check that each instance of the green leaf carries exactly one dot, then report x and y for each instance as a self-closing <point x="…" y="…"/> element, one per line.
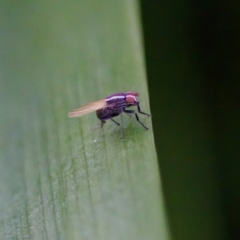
<point x="63" y="178"/>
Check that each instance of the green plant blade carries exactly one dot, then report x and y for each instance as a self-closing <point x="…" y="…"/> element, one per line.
<point x="61" y="178"/>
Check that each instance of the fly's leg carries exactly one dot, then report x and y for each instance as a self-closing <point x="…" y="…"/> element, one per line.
<point x="128" y="111"/>
<point x="101" y="124"/>
<point x="115" y="122"/>
<point x="140" y="122"/>
<point x="132" y="111"/>
<point x="139" y="110"/>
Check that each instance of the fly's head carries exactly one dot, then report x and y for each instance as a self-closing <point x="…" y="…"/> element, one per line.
<point x="131" y="98"/>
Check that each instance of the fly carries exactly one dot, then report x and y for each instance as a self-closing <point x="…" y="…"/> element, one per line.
<point x="111" y="106"/>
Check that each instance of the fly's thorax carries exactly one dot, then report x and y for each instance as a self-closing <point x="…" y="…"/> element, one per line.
<point x="116" y="99"/>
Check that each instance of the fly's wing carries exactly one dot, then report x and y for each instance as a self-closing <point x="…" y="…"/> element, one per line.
<point x="90" y="107"/>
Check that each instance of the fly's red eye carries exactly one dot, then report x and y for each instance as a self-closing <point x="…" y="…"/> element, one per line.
<point x="131" y="98"/>
<point x="136" y="94"/>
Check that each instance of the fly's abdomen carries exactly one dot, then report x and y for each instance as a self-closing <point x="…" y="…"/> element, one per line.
<point x="107" y="113"/>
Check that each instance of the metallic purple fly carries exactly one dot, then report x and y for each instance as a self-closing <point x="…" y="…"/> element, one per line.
<point x="111" y="107"/>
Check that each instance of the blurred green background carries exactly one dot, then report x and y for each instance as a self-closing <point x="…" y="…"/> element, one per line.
<point x="193" y="64"/>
